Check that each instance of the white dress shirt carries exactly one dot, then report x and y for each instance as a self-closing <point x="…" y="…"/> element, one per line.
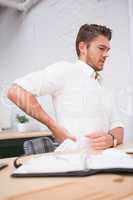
<point x="81" y="103"/>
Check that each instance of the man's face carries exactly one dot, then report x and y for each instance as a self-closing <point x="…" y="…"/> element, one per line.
<point x="97" y="52"/>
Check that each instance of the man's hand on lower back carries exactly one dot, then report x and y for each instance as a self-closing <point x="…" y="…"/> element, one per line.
<point x="100" y="140"/>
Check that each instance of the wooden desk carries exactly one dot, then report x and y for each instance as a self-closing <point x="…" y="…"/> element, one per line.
<point x="11" y="143"/>
<point x="96" y="187"/>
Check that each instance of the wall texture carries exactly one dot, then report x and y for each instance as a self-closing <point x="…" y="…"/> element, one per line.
<point x="46" y="34"/>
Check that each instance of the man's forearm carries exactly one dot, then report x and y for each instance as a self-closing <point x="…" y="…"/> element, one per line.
<point x="29" y="104"/>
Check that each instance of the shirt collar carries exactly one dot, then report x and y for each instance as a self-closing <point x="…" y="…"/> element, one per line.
<point x="88" y="67"/>
<point x="90" y="70"/>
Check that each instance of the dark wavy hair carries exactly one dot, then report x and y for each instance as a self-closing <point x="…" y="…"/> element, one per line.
<point x="88" y="32"/>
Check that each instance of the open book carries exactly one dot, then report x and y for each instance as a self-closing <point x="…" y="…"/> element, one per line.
<point x="76" y="164"/>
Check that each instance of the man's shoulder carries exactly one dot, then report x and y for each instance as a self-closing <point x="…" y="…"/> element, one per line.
<point x="62" y="63"/>
<point x="63" y="66"/>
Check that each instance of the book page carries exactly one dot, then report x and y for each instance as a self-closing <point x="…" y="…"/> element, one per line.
<point x="110" y="158"/>
<point x="53" y="163"/>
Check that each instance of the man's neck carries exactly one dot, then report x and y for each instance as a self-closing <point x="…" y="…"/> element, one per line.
<point x="82" y="60"/>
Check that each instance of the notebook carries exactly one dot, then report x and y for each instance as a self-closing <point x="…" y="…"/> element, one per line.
<point x="76" y="164"/>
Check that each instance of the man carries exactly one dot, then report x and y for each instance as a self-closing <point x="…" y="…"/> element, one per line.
<point x="82" y="105"/>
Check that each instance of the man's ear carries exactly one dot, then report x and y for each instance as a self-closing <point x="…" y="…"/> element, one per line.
<point x="82" y="48"/>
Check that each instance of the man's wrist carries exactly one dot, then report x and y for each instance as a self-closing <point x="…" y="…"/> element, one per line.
<point x="114" y="140"/>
